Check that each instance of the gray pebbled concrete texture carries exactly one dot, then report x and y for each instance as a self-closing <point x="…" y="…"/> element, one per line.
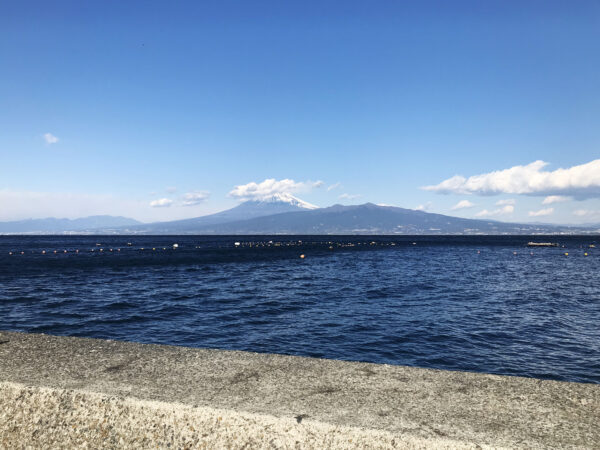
<point x="76" y="392"/>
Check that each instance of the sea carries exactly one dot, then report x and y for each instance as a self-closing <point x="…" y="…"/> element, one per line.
<point x="471" y="303"/>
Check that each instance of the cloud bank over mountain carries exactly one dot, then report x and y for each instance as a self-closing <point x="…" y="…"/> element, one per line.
<point x="541" y="212"/>
<point x="271" y="186"/>
<point x="161" y="203"/>
<point x="507" y="209"/>
<point x="463" y="204"/>
<point x="555" y="199"/>
<point x="195" y="198"/>
<point x="580" y="182"/>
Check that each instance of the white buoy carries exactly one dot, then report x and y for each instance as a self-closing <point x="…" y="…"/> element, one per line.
<point x="175" y="245"/>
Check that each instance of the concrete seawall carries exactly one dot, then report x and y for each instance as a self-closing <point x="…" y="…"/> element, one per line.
<point x="75" y="392"/>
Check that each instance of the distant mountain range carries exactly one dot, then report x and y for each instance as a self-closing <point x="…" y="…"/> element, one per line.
<point x="286" y="214"/>
<point x="59" y="226"/>
<point x="275" y="204"/>
<point x="363" y="219"/>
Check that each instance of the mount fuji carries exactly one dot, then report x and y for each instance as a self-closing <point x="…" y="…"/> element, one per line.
<point x="251" y="209"/>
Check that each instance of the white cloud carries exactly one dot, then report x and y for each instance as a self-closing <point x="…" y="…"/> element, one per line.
<point x="334" y="186"/>
<point x="349" y="196"/>
<point x="463" y="204"/>
<point x="541" y="212"/>
<point x="161" y="203"/>
<point x="508" y="209"/>
<point x="586" y="212"/>
<point x="424" y="207"/>
<point x="171" y="189"/>
<point x="271" y="186"/>
<point x="20" y="205"/>
<point x="581" y="181"/>
<point x="50" y="138"/>
<point x="507" y="201"/>
<point x="195" y="198"/>
<point x="555" y="199"/>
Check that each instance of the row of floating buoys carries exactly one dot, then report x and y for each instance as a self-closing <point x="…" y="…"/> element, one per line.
<point x="532" y="254"/>
<point x="92" y="250"/>
<point x="331" y="246"/>
<point x="175" y="246"/>
<point x="252" y="244"/>
<point x="98" y="247"/>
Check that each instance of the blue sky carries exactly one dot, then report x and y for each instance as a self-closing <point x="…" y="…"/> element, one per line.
<point x="111" y="107"/>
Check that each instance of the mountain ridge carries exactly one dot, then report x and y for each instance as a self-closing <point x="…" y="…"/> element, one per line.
<point x="278" y="214"/>
<point x="369" y="218"/>
<point x="269" y="205"/>
<point x="53" y="224"/>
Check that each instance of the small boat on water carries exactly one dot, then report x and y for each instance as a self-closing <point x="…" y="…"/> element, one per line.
<point x="542" y="244"/>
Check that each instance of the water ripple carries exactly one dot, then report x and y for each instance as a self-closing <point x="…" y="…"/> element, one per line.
<point x="438" y="304"/>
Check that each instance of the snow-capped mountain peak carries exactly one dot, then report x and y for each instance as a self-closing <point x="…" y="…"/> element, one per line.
<point x="285" y="197"/>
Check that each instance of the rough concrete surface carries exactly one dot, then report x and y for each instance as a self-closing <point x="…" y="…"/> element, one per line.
<point x="58" y="418"/>
<point x="76" y="392"/>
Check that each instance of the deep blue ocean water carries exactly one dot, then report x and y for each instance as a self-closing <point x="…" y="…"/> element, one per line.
<point x="485" y="304"/>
